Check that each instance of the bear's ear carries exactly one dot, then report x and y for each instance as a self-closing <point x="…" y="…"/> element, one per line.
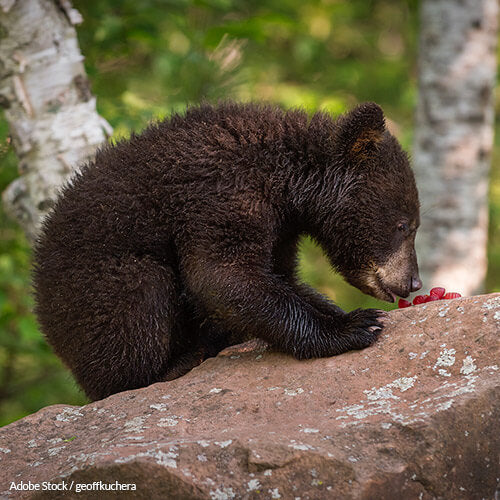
<point x="359" y="132"/>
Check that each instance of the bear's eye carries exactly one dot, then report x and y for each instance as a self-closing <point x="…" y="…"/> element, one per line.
<point x="403" y="227"/>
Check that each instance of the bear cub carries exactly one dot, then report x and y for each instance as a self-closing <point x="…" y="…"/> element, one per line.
<point x="181" y="241"/>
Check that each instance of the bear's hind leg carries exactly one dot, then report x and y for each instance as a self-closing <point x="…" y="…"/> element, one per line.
<point x="120" y="331"/>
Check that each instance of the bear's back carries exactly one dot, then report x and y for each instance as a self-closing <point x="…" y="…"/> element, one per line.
<point x="132" y="194"/>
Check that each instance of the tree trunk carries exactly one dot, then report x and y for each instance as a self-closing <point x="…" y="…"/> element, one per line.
<point x="51" y="113"/>
<point x="453" y="141"/>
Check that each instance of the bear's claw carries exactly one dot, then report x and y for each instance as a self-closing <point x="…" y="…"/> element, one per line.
<point x="362" y="327"/>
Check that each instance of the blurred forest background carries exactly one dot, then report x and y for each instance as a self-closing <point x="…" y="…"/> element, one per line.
<point x="147" y="59"/>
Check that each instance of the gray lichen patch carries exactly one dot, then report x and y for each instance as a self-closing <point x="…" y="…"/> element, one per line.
<point x="491" y="303"/>
<point x="69" y="414"/>
<point x="468" y="366"/>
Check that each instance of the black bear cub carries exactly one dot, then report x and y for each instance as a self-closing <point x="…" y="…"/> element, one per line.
<point x="181" y="241"/>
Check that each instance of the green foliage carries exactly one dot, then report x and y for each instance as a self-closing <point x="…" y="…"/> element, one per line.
<point x="147" y="59"/>
<point x="493" y="276"/>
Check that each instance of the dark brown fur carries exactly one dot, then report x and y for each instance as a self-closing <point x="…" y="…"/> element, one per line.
<point x="174" y="244"/>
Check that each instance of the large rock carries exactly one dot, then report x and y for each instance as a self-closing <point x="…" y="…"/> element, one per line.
<point x="417" y="416"/>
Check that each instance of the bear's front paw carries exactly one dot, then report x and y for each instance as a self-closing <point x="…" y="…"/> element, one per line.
<point x="355" y="330"/>
<point x="361" y="328"/>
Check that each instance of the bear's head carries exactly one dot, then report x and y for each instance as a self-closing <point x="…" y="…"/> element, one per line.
<point x="369" y="230"/>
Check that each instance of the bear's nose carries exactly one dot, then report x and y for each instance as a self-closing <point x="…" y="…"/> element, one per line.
<point x="416" y="284"/>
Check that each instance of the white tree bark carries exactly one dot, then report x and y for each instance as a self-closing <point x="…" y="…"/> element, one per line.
<point x="453" y="141"/>
<point x="47" y="102"/>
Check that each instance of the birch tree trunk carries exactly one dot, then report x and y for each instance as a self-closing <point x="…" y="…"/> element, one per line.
<point x="453" y="142"/>
<point x="47" y="102"/>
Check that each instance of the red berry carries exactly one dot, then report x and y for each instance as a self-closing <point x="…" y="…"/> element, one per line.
<point x="439" y="291"/>
<point x="452" y="295"/>
<point x="420" y="299"/>
<point x="432" y="297"/>
<point x="403" y="303"/>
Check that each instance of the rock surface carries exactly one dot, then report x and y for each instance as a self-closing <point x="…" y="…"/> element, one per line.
<point x="415" y="416"/>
